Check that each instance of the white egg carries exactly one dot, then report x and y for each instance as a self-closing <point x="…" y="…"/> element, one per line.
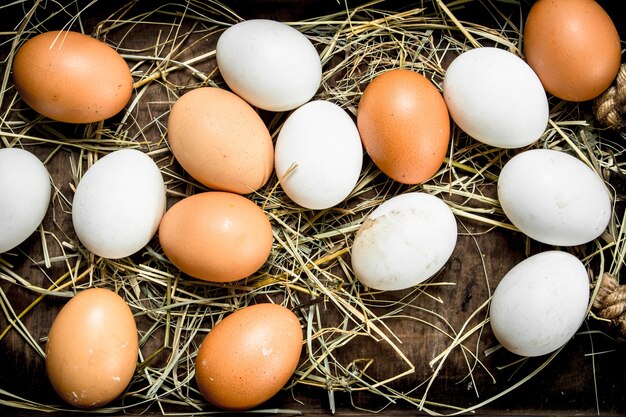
<point x="553" y="197"/>
<point x="496" y="98"/>
<point x="540" y="303"/>
<point x="118" y="204"/>
<point x="318" y="155"/>
<point x="403" y="242"/>
<point x="269" y="64"/>
<point x="24" y="196"/>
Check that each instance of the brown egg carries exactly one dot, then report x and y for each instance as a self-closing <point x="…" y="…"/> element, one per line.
<point x="91" y="353"/>
<point x="249" y="356"/>
<point x="216" y="236"/>
<point x="71" y="77"/>
<point x="220" y="140"/>
<point x="404" y="125"/>
<point x="573" y="47"/>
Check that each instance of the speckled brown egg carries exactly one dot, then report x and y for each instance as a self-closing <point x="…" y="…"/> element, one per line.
<point x="404" y="125"/>
<point x="573" y="46"/>
<point x="220" y="140"/>
<point x="92" y="349"/>
<point x="71" y="77"/>
<point x="216" y="236"/>
<point x="249" y="356"/>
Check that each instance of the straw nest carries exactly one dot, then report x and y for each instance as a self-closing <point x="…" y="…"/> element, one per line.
<point x="352" y="335"/>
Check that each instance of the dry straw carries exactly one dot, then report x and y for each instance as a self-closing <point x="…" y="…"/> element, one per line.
<point x="309" y="268"/>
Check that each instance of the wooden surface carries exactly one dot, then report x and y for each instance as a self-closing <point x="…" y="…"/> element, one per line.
<point x="588" y="375"/>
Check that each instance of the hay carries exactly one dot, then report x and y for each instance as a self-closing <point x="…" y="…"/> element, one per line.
<point x="308" y="270"/>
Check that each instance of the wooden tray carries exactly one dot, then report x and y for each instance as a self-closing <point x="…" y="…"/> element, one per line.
<point x="585" y="378"/>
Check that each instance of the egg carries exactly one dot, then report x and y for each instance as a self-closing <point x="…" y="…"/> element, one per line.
<point x="25" y="190"/>
<point x="92" y="349"/>
<point x="220" y="140"/>
<point x="404" y="125"/>
<point x="216" y="236"/>
<point x="318" y="155"/>
<point x="554" y="197"/>
<point x="496" y="98"/>
<point x="540" y="303"/>
<point x="271" y="65"/>
<point x="573" y="46"/>
<point x="403" y="242"/>
<point x="118" y="204"/>
<point x="249" y="356"/>
<point x="71" y="77"/>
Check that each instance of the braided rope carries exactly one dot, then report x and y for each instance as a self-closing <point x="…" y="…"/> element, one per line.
<point x="610" y="303"/>
<point x="610" y="106"/>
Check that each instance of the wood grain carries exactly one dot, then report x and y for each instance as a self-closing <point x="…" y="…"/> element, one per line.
<point x="588" y="365"/>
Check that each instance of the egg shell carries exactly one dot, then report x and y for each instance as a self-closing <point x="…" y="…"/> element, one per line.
<point x="404" y="125"/>
<point x="25" y="190"/>
<point x="403" y="242"/>
<point x="92" y="349"/>
<point x="496" y="98"/>
<point x="216" y="236"/>
<point x="554" y="197"/>
<point x="220" y="140"/>
<point x="269" y="64"/>
<point x="573" y="46"/>
<point x="118" y="204"/>
<point x="318" y="155"/>
<point x="540" y="303"/>
<point x="71" y="77"/>
<point x="249" y="356"/>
